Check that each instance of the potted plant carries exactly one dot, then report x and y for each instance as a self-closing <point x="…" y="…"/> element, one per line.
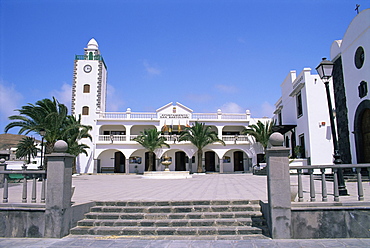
<point x="298" y="151"/>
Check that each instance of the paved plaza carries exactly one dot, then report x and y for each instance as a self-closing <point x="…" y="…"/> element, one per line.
<point x="201" y="187"/>
<point x="134" y="243"/>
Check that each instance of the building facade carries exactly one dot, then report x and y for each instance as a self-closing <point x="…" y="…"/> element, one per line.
<point x="351" y="77"/>
<point x="113" y="149"/>
<point x="302" y="116"/>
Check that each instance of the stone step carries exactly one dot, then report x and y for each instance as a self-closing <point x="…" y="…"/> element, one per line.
<point x="176" y="209"/>
<point x="224" y="218"/>
<point x="137" y="231"/>
<point x="176" y="203"/>
<point x="191" y="215"/>
<point x="256" y="221"/>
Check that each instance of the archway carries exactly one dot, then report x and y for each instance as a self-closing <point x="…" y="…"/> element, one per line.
<point x="210" y="161"/>
<point x="362" y="132"/>
<point x="147" y="162"/>
<point x="238" y="161"/>
<point x="119" y="162"/>
<point x="180" y="161"/>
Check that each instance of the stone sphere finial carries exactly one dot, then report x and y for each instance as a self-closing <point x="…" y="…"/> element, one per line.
<point x="276" y="139"/>
<point x="60" y="146"/>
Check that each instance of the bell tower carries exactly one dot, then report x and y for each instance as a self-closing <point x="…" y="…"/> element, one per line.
<point x="89" y="83"/>
<point x="89" y="92"/>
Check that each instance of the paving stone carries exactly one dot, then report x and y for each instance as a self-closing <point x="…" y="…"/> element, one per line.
<point x="186" y="231"/>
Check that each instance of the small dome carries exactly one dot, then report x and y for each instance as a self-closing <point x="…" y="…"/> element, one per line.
<point x="92" y="44"/>
<point x="60" y="146"/>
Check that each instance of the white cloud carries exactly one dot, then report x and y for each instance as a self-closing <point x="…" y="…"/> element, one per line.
<point x="151" y="70"/>
<point x="114" y="100"/>
<point x="267" y="109"/>
<point x="10" y="99"/>
<point x="232" y="107"/>
<point x="198" y="98"/>
<point x="64" y="95"/>
<point x="226" y="88"/>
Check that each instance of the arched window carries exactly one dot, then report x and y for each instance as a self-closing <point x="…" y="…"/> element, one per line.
<point x="85" y="110"/>
<point x="86" y="88"/>
<point x="91" y="56"/>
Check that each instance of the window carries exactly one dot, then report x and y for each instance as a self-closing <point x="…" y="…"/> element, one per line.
<point x="280" y="119"/>
<point x="299" y="105"/>
<point x="85" y="110"/>
<point x="359" y="57"/>
<point x="362" y="89"/>
<point x="287" y="142"/>
<point x="86" y="88"/>
<point x="114" y="133"/>
<point x="302" y="144"/>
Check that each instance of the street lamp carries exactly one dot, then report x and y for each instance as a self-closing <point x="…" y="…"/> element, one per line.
<point x="325" y="69"/>
<point x="42" y="133"/>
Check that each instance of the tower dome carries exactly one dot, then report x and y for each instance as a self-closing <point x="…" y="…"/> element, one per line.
<point x="92" y="44"/>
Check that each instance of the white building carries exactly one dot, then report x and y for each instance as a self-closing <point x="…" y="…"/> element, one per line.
<point x="351" y="77"/>
<point x="113" y="149"/>
<point x="302" y="116"/>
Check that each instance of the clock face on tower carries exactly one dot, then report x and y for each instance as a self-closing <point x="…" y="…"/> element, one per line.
<point x="87" y="68"/>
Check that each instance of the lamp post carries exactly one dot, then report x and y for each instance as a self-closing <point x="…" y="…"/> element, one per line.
<point x="325" y="69"/>
<point x="42" y="133"/>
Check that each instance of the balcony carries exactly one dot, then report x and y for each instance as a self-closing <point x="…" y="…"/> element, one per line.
<point x="228" y="139"/>
<point x="156" y="116"/>
<point x="86" y="57"/>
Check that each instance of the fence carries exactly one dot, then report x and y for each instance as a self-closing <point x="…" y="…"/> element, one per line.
<point x="307" y="218"/>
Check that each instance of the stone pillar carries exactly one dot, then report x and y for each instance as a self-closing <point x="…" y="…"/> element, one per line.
<point x="59" y="192"/>
<point x="221" y="165"/>
<point x="127" y="166"/>
<point x="190" y="164"/>
<point x="2" y="168"/>
<point x="128" y="132"/>
<point x="278" y="186"/>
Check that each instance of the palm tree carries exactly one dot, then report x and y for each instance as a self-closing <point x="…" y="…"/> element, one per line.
<point x="73" y="132"/>
<point x="151" y="140"/>
<point x="45" y="114"/>
<point x="261" y="132"/>
<point x="26" y="148"/>
<point x="200" y="136"/>
<point x="51" y="117"/>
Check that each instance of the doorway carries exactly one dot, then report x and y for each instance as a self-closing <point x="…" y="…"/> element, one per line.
<point x="180" y="161"/>
<point x="119" y="162"/>
<point x="238" y="161"/>
<point x="210" y="161"/>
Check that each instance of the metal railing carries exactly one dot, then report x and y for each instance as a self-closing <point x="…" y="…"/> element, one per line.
<point x="323" y="177"/>
<point x="112" y="138"/>
<point x="95" y="57"/>
<point x="34" y="175"/>
<point x="235" y="138"/>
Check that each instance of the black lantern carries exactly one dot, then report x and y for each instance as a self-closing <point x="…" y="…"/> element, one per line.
<point x="325" y="70"/>
<point x="42" y="132"/>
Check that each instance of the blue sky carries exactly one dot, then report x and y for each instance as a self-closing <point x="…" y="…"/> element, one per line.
<point x="207" y="55"/>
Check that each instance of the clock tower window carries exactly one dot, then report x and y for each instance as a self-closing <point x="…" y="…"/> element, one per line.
<point x="86" y="88"/>
<point x="85" y="110"/>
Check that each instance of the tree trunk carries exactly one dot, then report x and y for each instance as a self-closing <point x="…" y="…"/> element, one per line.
<point x="150" y="166"/>
<point x="200" y="157"/>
